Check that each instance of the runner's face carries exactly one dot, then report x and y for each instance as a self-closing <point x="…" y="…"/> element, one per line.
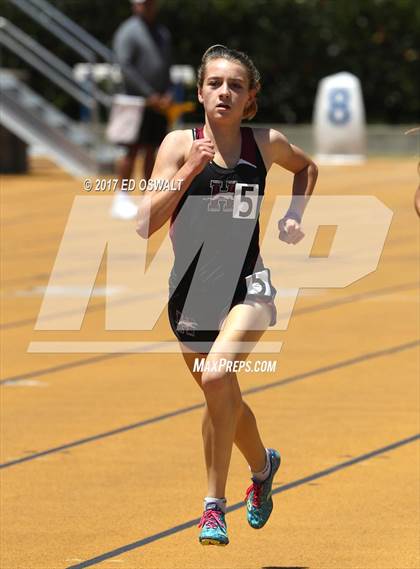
<point x="225" y="92"/>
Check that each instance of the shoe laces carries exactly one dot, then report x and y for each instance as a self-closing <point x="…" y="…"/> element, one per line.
<point x="211" y="519"/>
<point x="256" y="489"/>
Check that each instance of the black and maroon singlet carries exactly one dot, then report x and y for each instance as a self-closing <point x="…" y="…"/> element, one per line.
<point x="215" y="238"/>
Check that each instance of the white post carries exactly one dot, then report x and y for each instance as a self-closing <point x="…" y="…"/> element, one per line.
<point x="339" y="120"/>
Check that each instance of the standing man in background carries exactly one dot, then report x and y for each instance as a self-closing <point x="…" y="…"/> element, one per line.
<point x="143" y="51"/>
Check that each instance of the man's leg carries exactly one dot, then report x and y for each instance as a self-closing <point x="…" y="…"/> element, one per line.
<point x="149" y="160"/>
<point x="123" y="206"/>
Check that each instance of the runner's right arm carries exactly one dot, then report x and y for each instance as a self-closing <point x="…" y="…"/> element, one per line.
<point x="178" y="162"/>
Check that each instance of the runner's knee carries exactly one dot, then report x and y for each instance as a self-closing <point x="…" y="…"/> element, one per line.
<point x="217" y="378"/>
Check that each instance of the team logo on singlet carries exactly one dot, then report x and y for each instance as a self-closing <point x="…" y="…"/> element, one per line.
<point x="231" y="196"/>
<point x="222" y="195"/>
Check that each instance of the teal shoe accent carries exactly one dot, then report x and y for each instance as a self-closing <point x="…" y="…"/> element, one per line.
<point x="213" y="526"/>
<point x="259" y="503"/>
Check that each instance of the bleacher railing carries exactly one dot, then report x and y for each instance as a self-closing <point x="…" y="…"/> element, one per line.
<point x="65" y="29"/>
<point x="56" y="70"/>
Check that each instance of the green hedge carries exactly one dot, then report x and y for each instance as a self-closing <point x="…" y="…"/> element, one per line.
<point x="294" y="43"/>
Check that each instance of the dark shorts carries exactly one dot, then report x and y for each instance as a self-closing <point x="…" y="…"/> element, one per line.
<point x="153" y="128"/>
<point x="190" y="332"/>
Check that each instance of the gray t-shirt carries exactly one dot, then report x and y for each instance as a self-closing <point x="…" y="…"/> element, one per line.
<point x="143" y="53"/>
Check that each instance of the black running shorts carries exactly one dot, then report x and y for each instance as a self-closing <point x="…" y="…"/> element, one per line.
<point x="189" y="328"/>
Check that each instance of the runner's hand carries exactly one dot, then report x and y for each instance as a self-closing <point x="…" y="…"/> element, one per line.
<point x="201" y="153"/>
<point x="289" y="231"/>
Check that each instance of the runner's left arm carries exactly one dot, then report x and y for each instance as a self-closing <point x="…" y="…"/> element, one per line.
<point x="305" y="173"/>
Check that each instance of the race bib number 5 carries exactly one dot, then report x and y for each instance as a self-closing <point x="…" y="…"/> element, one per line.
<point x="245" y="203"/>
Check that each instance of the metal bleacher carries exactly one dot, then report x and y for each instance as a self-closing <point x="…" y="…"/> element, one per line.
<point x="78" y="148"/>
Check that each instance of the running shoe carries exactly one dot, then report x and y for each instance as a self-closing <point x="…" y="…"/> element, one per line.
<point x="213" y="526"/>
<point x="259" y="502"/>
<point x="123" y="207"/>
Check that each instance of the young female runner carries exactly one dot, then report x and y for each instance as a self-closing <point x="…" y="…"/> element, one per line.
<point x="221" y="296"/>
